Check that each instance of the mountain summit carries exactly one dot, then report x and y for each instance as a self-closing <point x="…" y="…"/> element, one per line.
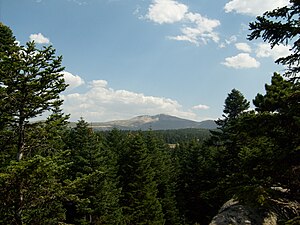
<point x="157" y="122"/>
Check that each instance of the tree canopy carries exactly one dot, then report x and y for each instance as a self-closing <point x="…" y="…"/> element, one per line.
<point x="281" y="26"/>
<point x="76" y="175"/>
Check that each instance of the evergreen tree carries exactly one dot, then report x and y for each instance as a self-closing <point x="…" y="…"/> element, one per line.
<point x="188" y="191"/>
<point x="7" y="47"/>
<point x="8" y="43"/>
<point x="139" y="189"/>
<point x="281" y="26"/>
<point x="36" y="181"/>
<point x="222" y="151"/>
<point x="227" y="136"/>
<point x="31" y="82"/>
<point x="279" y="108"/>
<point x="165" y="177"/>
<point x="262" y="148"/>
<point x="235" y="105"/>
<point x="197" y="198"/>
<point x="93" y="165"/>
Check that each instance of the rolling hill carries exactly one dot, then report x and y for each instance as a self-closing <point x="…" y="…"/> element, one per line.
<point x="157" y="122"/>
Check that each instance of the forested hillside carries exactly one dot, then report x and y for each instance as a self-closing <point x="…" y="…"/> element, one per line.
<point x="53" y="174"/>
<point x="172" y="136"/>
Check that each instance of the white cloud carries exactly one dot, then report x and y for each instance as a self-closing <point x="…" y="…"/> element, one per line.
<point x="98" y="84"/>
<point x="166" y="11"/>
<point x="200" y="107"/>
<point x="39" y="38"/>
<point x="253" y="7"/>
<point x="73" y="80"/>
<point x="102" y="103"/>
<point x="201" y="31"/>
<point x="241" y="61"/>
<point x="196" y="28"/>
<point x="264" y="50"/>
<point x="243" y="47"/>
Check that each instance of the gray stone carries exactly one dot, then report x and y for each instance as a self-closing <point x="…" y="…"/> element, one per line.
<point x="234" y="213"/>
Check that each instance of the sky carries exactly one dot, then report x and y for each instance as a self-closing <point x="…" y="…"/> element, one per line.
<point x="125" y="58"/>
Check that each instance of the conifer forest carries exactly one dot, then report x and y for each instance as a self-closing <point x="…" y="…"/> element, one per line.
<point x="51" y="173"/>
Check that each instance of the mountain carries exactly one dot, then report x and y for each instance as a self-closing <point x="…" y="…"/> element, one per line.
<point x="157" y="122"/>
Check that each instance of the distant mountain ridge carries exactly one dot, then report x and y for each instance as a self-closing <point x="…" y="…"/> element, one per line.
<point x="157" y="122"/>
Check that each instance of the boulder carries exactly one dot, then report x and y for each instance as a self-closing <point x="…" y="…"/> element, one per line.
<point x="234" y="213"/>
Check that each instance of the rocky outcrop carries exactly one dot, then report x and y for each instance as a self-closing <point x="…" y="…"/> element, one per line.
<point x="234" y="213"/>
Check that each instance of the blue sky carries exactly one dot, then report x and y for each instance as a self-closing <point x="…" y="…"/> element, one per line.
<point x="125" y="58"/>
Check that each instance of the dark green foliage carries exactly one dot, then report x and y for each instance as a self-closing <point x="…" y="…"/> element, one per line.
<point x="94" y="168"/>
<point x="78" y="176"/>
<point x="281" y="26"/>
<point x="7" y="47"/>
<point x="7" y="41"/>
<point x="32" y="189"/>
<point x="280" y="109"/>
<point x="196" y="181"/>
<point x="226" y="139"/>
<point x="165" y="177"/>
<point x="30" y="84"/>
<point x="260" y="150"/>
<point x="182" y="135"/>
<point x="251" y="153"/>
<point x="35" y="182"/>
<point x="139" y="188"/>
<point x="168" y="136"/>
<point x="235" y="105"/>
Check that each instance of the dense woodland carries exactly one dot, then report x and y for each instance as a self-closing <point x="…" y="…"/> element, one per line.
<point x="53" y="174"/>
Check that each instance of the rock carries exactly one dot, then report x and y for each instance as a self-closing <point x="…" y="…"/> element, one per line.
<point x="234" y="213"/>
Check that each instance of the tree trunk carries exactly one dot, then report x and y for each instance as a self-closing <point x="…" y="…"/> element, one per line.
<point x="21" y="140"/>
<point x="21" y="146"/>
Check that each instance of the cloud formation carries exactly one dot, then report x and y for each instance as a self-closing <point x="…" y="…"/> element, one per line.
<point x="200" y="31"/>
<point x="72" y="80"/>
<point x="196" y="28"/>
<point x="102" y="103"/>
<point x="39" y="38"/>
<point x="264" y="50"/>
<point x="166" y="11"/>
<point x="200" y="107"/>
<point x="243" y="47"/>
<point x="241" y="61"/>
<point x="253" y="7"/>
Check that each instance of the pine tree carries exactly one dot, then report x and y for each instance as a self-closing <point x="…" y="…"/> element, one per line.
<point x="225" y="145"/>
<point x="196" y="179"/>
<point x="165" y="177"/>
<point x="36" y="181"/>
<point x="139" y="189"/>
<point x="7" y="47"/>
<point x="279" y="110"/>
<point x="227" y="136"/>
<point x="31" y="82"/>
<point x="235" y="105"/>
<point x="93" y="165"/>
<point x="281" y="26"/>
<point x="262" y="147"/>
